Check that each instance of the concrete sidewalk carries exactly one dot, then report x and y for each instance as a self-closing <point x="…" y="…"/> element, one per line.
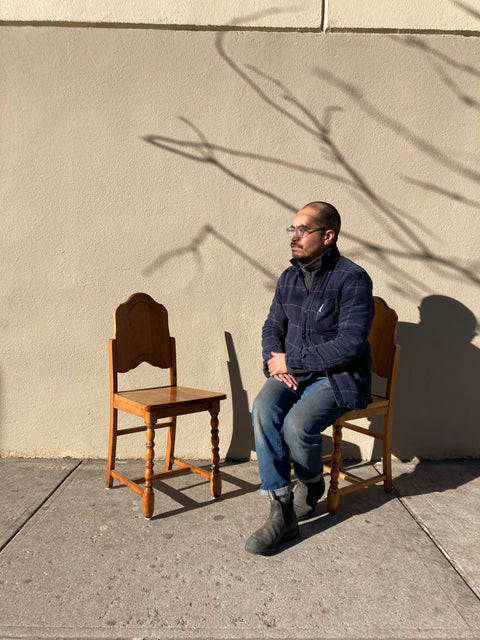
<point x="78" y="561"/>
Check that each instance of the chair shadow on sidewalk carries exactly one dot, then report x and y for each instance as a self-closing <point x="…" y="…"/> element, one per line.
<point x="180" y="494"/>
<point x="436" y="476"/>
<point x="421" y="478"/>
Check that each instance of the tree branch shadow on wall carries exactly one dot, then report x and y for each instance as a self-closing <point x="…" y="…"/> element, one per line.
<point x="444" y="66"/>
<point x="467" y="8"/>
<point x="397" y="224"/>
<point x="194" y="247"/>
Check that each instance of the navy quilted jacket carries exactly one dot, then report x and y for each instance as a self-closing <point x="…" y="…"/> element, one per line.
<point x="326" y="329"/>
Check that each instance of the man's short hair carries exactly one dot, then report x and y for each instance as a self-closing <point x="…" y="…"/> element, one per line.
<point x="327" y="216"/>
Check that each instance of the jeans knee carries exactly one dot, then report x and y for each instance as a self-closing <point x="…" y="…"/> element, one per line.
<point x="300" y="435"/>
<point x="265" y="403"/>
<point x="260" y="413"/>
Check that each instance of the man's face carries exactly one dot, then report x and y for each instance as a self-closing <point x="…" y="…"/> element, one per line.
<point x="312" y="244"/>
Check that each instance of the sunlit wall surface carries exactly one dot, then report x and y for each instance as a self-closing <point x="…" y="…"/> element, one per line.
<point x="164" y="148"/>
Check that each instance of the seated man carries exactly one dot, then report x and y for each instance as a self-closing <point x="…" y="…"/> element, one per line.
<point x="317" y="363"/>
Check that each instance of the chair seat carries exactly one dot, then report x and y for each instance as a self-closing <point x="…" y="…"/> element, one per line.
<point x="378" y="406"/>
<point x="165" y="401"/>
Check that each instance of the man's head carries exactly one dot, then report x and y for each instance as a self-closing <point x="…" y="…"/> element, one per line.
<point x="322" y="221"/>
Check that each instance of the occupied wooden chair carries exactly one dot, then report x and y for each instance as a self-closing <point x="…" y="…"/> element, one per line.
<point x="141" y="334"/>
<point x="385" y="358"/>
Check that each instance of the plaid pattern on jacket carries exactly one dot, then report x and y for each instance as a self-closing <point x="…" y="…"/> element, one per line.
<point x="327" y="329"/>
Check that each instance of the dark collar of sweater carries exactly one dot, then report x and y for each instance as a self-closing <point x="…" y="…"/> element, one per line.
<point x="308" y="270"/>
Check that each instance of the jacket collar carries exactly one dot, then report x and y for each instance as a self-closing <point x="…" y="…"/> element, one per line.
<point x="324" y="262"/>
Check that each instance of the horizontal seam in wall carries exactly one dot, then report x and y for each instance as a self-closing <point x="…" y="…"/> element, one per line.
<point x="186" y="27"/>
<point x="216" y="28"/>
<point x="426" y="32"/>
<point x="165" y="27"/>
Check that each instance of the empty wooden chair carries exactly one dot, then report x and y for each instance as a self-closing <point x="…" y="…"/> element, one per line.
<point x="385" y="357"/>
<point x="141" y="334"/>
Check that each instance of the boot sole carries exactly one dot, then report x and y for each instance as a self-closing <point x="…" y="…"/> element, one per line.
<point x="271" y="550"/>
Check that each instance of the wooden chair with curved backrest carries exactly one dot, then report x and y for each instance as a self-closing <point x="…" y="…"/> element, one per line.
<point x="141" y="334"/>
<point x="385" y="358"/>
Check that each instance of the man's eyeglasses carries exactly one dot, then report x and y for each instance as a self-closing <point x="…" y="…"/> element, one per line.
<point x="303" y="231"/>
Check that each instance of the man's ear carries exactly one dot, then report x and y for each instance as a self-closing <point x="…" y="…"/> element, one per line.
<point x="329" y="237"/>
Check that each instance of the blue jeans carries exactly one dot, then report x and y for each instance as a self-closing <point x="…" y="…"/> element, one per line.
<point x="291" y="422"/>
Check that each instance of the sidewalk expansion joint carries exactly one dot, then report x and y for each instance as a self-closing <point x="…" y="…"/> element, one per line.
<point x="437" y="544"/>
<point x="39" y="506"/>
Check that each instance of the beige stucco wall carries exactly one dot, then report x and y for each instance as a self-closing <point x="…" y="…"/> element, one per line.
<point x="443" y="15"/>
<point x="201" y="13"/>
<point x="171" y="161"/>
<point x="448" y="15"/>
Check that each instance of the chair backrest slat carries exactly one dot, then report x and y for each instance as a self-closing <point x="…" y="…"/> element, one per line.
<point x="141" y="334"/>
<point x="382" y="338"/>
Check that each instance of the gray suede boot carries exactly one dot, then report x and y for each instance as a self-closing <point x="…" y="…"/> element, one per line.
<point x="280" y="526"/>
<point x="306" y="496"/>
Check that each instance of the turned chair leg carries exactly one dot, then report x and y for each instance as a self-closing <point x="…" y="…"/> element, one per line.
<point x="148" y="496"/>
<point x="387" y="454"/>
<point x="332" y="496"/>
<point x="112" y="446"/>
<point x="215" y="478"/>
<point x="170" y="452"/>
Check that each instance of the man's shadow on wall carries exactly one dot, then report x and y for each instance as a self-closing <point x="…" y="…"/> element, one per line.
<point x="438" y="383"/>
